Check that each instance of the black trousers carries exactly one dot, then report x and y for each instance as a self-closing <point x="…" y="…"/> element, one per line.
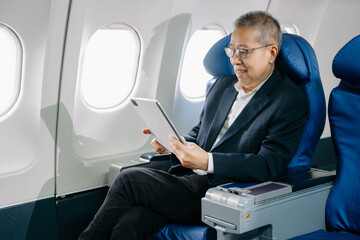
<point x="142" y="200"/>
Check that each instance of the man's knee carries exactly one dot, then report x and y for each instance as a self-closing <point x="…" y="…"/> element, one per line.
<point x="129" y="175"/>
<point x="132" y="182"/>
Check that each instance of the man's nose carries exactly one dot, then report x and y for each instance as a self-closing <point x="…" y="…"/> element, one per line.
<point x="235" y="60"/>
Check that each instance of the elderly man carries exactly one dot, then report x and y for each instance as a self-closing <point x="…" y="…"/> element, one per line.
<point x="249" y="129"/>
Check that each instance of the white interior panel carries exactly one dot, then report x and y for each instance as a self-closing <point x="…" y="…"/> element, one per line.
<point x="26" y="142"/>
<point x="327" y="25"/>
<point x="89" y="140"/>
<point x="339" y="24"/>
<point x="306" y="15"/>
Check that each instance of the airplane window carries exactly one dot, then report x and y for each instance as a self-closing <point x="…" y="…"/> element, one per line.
<point x="109" y="66"/>
<point x="10" y="68"/>
<point x="193" y="76"/>
<point x="289" y="28"/>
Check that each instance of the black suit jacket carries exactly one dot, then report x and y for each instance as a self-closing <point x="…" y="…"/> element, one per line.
<point x="260" y="143"/>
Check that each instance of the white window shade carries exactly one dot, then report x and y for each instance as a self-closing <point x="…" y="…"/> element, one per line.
<point x="10" y="69"/>
<point x="109" y="66"/>
<point x="193" y="78"/>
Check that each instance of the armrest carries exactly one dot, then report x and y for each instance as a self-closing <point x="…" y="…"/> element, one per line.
<point x="303" y="180"/>
<point x="154" y="156"/>
<point x="157" y="161"/>
<point x="269" y="209"/>
<point x="147" y="160"/>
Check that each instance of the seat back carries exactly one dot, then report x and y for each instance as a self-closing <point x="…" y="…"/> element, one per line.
<point x="343" y="205"/>
<point x="298" y="61"/>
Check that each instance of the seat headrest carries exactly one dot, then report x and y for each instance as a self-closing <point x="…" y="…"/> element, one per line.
<point x="346" y="63"/>
<point x="291" y="59"/>
<point x="216" y="62"/>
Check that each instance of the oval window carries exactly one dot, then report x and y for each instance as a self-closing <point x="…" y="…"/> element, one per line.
<point x="193" y="78"/>
<point x="289" y="28"/>
<point x="10" y="70"/>
<point x="109" y="66"/>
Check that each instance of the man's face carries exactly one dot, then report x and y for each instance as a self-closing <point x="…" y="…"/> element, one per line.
<point x="258" y="64"/>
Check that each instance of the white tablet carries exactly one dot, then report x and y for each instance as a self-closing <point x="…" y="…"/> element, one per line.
<point x="156" y="120"/>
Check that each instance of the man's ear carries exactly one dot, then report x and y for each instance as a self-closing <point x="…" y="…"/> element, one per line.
<point x="274" y="50"/>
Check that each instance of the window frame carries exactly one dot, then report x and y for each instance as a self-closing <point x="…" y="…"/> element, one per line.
<point x="138" y="49"/>
<point x="18" y="69"/>
<point x="290" y="28"/>
<point x="211" y="26"/>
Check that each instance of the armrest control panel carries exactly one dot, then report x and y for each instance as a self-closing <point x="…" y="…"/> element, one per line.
<point x="268" y="207"/>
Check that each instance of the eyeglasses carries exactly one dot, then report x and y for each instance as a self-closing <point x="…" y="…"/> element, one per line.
<point x="241" y="52"/>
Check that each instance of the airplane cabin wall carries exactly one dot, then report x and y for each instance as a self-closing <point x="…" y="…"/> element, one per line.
<point x="84" y="155"/>
<point x="85" y="150"/>
<point x="88" y="140"/>
<point x="339" y="24"/>
<point x="327" y="25"/>
<point x="26" y="142"/>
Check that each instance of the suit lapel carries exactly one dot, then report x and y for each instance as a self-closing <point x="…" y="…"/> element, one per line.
<point x="220" y="116"/>
<point x="248" y="114"/>
<point x="259" y="101"/>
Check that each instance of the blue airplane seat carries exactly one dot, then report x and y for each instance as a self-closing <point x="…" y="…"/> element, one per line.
<point x="297" y="60"/>
<point x="343" y="204"/>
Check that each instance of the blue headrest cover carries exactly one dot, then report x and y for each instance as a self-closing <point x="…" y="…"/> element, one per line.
<point x="291" y="60"/>
<point x="216" y="62"/>
<point x="346" y="64"/>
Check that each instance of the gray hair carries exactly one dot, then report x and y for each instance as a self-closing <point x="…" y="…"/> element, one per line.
<point x="267" y="26"/>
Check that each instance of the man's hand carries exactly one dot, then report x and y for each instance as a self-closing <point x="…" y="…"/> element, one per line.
<point x="190" y="155"/>
<point x="158" y="147"/>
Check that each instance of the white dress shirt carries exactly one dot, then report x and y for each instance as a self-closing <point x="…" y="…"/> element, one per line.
<point x="242" y="99"/>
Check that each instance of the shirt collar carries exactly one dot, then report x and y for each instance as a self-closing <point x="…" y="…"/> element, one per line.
<point x="240" y="89"/>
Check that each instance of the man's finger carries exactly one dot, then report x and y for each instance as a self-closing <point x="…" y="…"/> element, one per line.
<point x="177" y="147"/>
<point x="146" y="131"/>
<point x="175" y="141"/>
